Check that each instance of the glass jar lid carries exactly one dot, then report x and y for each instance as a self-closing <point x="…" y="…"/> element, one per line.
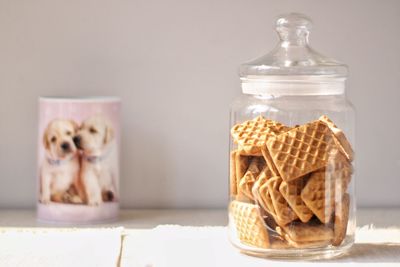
<point x="293" y="67"/>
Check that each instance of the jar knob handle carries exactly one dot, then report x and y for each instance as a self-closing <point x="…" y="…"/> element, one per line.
<point x="294" y="28"/>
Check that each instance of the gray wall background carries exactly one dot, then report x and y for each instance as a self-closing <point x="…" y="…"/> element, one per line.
<point x="174" y="63"/>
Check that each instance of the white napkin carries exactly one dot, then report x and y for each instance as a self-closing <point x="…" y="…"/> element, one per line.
<point x="176" y="246"/>
<point x="60" y="247"/>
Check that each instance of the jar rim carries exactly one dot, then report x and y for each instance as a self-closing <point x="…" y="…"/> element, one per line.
<point x="293" y="85"/>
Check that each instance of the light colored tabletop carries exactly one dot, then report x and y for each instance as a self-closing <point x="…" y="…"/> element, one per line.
<point x="145" y="246"/>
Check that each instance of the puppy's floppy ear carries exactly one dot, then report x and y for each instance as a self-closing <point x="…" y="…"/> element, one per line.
<point x="109" y="135"/>
<point x="45" y="139"/>
<point x="75" y="125"/>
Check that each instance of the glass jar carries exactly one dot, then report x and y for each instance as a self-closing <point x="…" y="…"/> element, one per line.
<point x="292" y="152"/>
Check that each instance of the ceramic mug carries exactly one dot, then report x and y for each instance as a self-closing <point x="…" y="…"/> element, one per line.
<point x="78" y="159"/>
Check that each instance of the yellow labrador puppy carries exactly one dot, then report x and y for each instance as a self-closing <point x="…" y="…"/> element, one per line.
<point x="99" y="164"/>
<point x="60" y="167"/>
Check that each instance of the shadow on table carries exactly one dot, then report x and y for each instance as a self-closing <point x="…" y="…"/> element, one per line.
<point x="366" y="252"/>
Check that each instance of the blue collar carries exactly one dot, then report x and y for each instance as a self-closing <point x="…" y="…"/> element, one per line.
<point x="97" y="159"/>
<point x="57" y="162"/>
<point x="94" y="159"/>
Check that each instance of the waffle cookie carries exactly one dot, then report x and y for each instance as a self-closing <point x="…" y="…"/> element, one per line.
<point x="342" y="209"/>
<point x="301" y="232"/>
<point x="252" y="135"/>
<point x="256" y="165"/>
<point x="284" y="214"/>
<point x="246" y="183"/>
<point x="261" y="194"/>
<point x="291" y="192"/>
<point x="326" y="185"/>
<point x="340" y="138"/>
<point x="269" y="161"/>
<point x="339" y="171"/>
<point x="260" y="191"/>
<point x="249" y="225"/>
<point x="242" y="164"/>
<point x="302" y="150"/>
<point x="279" y="243"/>
<point x="232" y="174"/>
<point x="300" y="244"/>
<point x="318" y="195"/>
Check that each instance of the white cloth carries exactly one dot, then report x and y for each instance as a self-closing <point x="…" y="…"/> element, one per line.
<point x="60" y="247"/>
<point x="176" y="246"/>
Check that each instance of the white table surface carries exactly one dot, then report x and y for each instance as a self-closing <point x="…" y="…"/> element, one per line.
<point x="138" y="221"/>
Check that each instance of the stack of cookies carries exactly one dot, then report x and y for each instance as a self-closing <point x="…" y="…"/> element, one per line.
<point x="289" y="185"/>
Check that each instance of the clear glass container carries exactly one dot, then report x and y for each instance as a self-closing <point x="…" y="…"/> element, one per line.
<point x="292" y="152"/>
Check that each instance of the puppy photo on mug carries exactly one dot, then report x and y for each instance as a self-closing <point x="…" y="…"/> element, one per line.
<point x="78" y="159"/>
<point x="80" y="163"/>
